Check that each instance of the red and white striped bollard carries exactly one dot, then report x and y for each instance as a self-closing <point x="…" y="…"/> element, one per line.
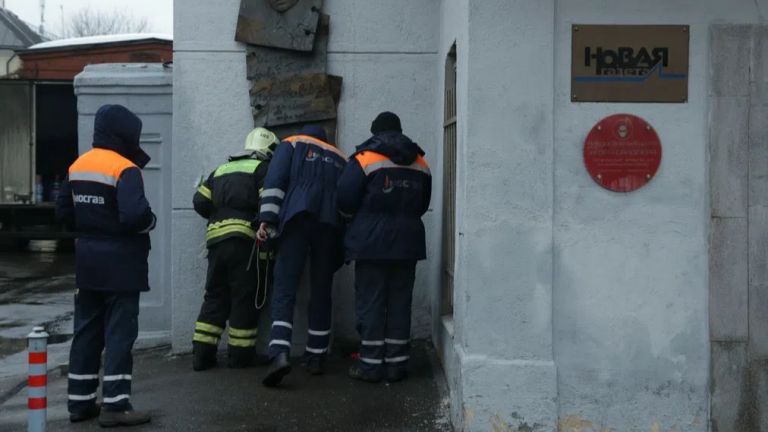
<point x="37" y="384"/>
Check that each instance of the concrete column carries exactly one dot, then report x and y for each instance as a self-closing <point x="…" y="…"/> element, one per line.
<point x="504" y="270"/>
<point x="145" y="89"/>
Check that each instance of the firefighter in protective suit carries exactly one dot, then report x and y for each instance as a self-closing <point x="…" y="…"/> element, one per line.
<point x="229" y="199"/>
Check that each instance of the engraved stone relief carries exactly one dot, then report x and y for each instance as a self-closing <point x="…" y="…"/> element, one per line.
<point x="295" y="99"/>
<point x="265" y="62"/>
<point x="288" y="24"/>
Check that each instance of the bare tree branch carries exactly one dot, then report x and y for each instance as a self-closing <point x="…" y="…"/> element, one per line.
<point x="90" y="22"/>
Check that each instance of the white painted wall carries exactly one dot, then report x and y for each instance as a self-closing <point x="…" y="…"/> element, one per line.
<point x="384" y="51"/>
<point x="9" y="62"/>
<point x="626" y="323"/>
<point x="631" y="271"/>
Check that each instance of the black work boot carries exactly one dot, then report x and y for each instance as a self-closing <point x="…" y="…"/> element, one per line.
<point x="123" y="418"/>
<point x="203" y="356"/>
<point x="86" y="414"/>
<point x="395" y="374"/>
<point x="356" y="372"/>
<point x="315" y="364"/>
<point x="238" y="358"/>
<point x="279" y="368"/>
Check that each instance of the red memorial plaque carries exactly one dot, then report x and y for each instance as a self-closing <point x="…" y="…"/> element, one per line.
<point x="622" y="153"/>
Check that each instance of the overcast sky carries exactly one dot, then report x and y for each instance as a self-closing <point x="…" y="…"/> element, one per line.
<point x="159" y="13"/>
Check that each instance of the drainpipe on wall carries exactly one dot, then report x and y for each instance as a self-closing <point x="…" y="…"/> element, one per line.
<point x="8" y="63"/>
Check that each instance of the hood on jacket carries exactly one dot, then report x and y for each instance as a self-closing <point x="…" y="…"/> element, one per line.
<point x="394" y="145"/>
<point x="314" y="132"/>
<point x="116" y="128"/>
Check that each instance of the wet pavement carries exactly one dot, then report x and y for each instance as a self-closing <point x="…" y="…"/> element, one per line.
<point x="35" y="289"/>
<point x="231" y="400"/>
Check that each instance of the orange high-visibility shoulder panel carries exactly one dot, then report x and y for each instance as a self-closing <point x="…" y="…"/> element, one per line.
<point x="312" y="140"/>
<point x="367" y="158"/>
<point x="99" y="164"/>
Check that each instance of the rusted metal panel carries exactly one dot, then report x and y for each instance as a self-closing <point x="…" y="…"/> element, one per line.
<point x="64" y="64"/>
<point x="295" y="99"/>
<point x="266" y="62"/>
<point x="622" y="153"/>
<point x="629" y="63"/>
<point x="288" y="24"/>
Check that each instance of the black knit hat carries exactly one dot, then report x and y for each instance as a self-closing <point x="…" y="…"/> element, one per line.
<point x="386" y="122"/>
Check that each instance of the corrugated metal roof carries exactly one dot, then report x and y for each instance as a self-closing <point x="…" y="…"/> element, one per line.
<point x="15" y="33"/>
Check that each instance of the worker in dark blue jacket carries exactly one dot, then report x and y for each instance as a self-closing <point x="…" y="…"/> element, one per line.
<point x="385" y="190"/>
<point x="298" y="206"/>
<point x="104" y="199"/>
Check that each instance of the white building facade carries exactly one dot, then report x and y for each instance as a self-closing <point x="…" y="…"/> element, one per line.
<point x="571" y="307"/>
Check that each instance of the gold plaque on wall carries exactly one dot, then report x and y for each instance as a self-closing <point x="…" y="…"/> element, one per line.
<point x="629" y="63"/>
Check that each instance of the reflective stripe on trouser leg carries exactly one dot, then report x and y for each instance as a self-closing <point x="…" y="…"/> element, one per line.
<point x="370" y="301"/>
<point x="243" y="316"/>
<point x="122" y="320"/>
<point x="280" y="338"/>
<point x="318" y="342"/>
<point x="324" y="244"/>
<point x="289" y="265"/>
<point x="398" y="329"/>
<point x="242" y="338"/>
<point x="85" y="351"/>
<point x="206" y="333"/>
<point x="215" y="309"/>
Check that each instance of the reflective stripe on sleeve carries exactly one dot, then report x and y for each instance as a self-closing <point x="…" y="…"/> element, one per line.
<point x="274" y="192"/>
<point x="396" y="359"/>
<point x="204" y="191"/>
<point x="280" y="342"/>
<point x="316" y="350"/>
<point x="282" y="324"/>
<point x="373" y="342"/>
<point x="270" y="208"/>
<point x="371" y="361"/>
<point x="396" y="341"/>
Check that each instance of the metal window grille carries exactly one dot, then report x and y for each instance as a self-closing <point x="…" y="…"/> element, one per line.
<point x="449" y="184"/>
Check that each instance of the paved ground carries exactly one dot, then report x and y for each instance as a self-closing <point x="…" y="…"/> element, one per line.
<point x="233" y="400"/>
<point x="35" y="289"/>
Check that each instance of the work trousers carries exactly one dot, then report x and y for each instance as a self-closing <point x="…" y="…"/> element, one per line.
<point x="304" y="236"/>
<point x="230" y="295"/>
<point x="383" y="294"/>
<point x="108" y="322"/>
